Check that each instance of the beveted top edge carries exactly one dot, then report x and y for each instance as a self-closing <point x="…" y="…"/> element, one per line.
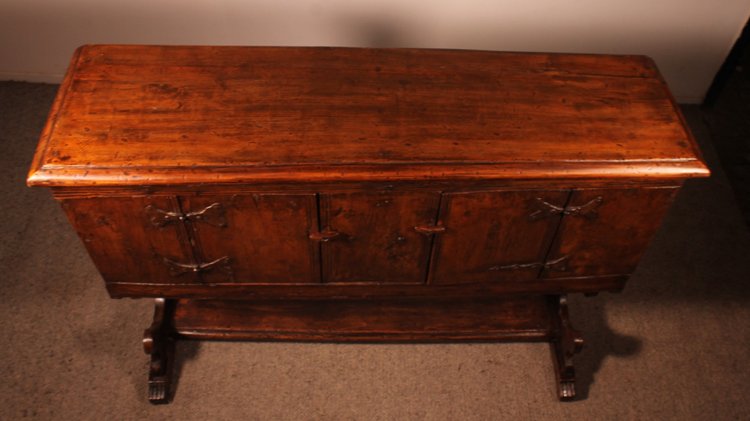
<point x="128" y="114"/>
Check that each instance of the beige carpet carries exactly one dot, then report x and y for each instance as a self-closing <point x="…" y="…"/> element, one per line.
<point x="674" y="345"/>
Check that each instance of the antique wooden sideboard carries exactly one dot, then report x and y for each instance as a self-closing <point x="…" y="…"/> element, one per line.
<point x="366" y="195"/>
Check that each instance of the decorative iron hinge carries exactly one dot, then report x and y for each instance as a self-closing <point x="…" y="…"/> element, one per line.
<point x="213" y="214"/>
<point x="546" y="209"/>
<point x="179" y="268"/>
<point x="559" y="265"/>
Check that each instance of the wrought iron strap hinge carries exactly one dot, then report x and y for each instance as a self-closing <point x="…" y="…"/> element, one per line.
<point x="559" y="265"/>
<point x="546" y="209"/>
<point x="179" y="268"/>
<point x="213" y="214"/>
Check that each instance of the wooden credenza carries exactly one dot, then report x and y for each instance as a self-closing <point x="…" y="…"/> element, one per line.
<point x="334" y="194"/>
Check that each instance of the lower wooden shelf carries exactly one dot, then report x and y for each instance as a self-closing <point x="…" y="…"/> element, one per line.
<point x="513" y="318"/>
<point x="527" y="318"/>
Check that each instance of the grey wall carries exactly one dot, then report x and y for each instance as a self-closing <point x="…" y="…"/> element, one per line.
<point x="688" y="38"/>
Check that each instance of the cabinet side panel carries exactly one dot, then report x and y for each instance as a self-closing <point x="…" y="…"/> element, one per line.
<point x="610" y="237"/>
<point x="125" y="243"/>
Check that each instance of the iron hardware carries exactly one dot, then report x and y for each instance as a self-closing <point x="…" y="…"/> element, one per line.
<point x="559" y="265"/>
<point x="213" y="214"/>
<point x="324" y="236"/>
<point x="179" y="268"/>
<point x="429" y="229"/>
<point x="546" y="209"/>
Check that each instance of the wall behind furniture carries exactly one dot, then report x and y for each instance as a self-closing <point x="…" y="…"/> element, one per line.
<point x="689" y="39"/>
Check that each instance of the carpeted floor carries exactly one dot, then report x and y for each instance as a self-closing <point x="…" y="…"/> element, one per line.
<point x="674" y="345"/>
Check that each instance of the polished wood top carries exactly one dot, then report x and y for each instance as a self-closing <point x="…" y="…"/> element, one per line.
<point x="156" y="115"/>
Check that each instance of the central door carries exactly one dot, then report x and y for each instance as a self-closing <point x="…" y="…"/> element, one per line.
<point x="377" y="237"/>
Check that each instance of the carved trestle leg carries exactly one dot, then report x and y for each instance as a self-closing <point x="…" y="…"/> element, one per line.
<point x="159" y="342"/>
<point x="566" y="343"/>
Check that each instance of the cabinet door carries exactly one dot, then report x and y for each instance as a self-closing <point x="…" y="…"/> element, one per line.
<point x="255" y="238"/>
<point x="495" y="235"/>
<point x="605" y="231"/>
<point x="374" y="237"/>
<point x="132" y="239"/>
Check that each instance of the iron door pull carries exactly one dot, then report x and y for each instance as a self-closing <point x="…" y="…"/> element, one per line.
<point x="324" y="236"/>
<point x="429" y="229"/>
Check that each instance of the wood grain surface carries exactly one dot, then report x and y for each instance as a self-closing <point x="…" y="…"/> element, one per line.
<point x="155" y="115"/>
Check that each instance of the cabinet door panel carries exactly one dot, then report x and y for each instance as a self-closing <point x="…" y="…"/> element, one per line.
<point x="495" y="235"/>
<point x="263" y="237"/>
<point x="377" y="240"/>
<point x="611" y="236"/>
<point x="132" y="239"/>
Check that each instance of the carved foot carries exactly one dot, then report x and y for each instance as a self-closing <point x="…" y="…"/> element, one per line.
<point x="158" y="342"/>
<point x="564" y="346"/>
